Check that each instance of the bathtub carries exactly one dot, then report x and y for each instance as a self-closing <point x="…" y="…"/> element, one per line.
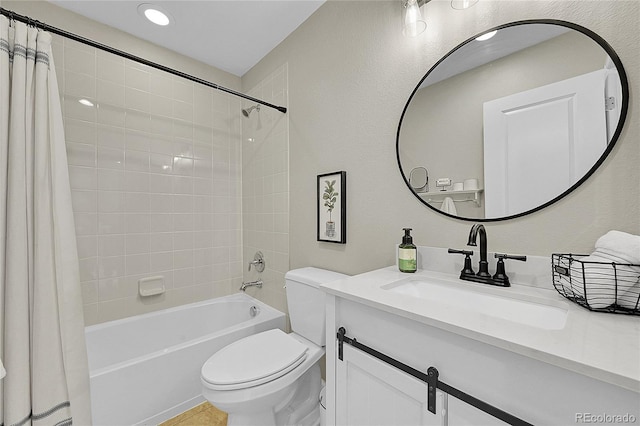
<point x="146" y="369"/>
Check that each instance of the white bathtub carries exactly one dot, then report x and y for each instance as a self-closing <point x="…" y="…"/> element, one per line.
<point x="146" y="369"/>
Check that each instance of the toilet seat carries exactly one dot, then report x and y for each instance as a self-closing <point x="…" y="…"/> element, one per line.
<point x="253" y="360"/>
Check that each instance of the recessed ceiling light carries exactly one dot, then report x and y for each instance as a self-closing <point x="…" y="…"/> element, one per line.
<point x="86" y="102"/>
<point x="487" y="36"/>
<point x="155" y="14"/>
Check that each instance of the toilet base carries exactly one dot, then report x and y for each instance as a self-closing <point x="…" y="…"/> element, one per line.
<point x="300" y="409"/>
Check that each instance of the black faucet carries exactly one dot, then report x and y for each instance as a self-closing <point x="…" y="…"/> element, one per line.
<point x="484" y="265"/>
<point x="500" y="278"/>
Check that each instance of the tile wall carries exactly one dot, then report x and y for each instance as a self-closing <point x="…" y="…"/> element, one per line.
<point x="265" y="188"/>
<point x="155" y="165"/>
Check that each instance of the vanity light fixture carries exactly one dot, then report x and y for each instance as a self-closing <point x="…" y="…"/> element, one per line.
<point x="462" y="4"/>
<point x="155" y="14"/>
<point x="487" y="36"/>
<point x="412" y="21"/>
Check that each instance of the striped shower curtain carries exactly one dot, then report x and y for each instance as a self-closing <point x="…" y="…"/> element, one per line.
<point x="41" y="321"/>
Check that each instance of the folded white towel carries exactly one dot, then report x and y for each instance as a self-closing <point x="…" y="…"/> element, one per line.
<point x="621" y="244"/>
<point x="592" y="279"/>
<point x="2" y="370"/>
<point x="630" y="299"/>
<point x="449" y="206"/>
<point x="604" y="284"/>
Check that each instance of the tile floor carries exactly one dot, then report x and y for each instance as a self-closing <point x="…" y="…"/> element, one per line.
<point x="201" y="415"/>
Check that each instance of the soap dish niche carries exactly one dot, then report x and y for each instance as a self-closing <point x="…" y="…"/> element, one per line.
<point x="151" y="286"/>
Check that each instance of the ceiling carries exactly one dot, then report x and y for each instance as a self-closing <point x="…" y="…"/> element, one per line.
<point x="232" y="35"/>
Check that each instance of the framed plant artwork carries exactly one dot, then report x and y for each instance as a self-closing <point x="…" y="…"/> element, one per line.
<point x="332" y="207"/>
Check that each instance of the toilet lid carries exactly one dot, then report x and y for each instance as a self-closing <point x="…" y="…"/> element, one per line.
<point x="254" y="360"/>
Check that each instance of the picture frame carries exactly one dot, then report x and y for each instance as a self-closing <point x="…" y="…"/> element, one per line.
<point x="332" y="207"/>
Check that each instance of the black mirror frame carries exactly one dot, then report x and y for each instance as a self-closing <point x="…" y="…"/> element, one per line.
<point x="623" y="113"/>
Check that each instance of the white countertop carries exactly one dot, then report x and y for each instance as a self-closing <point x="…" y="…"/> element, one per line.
<point x="599" y="345"/>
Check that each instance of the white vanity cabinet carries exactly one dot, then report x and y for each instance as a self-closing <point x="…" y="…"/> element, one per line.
<point x="362" y="390"/>
<point x="372" y="392"/>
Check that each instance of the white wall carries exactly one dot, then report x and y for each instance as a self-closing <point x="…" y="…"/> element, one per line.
<point x="350" y="74"/>
<point x="265" y="188"/>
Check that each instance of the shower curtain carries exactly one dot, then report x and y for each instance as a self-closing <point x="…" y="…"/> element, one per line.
<point x="41" y="320"/>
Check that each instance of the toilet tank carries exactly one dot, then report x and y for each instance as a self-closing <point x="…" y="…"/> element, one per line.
<point x="305" y="301"/>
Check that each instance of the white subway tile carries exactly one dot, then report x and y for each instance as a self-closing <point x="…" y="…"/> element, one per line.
<point x="161" y="203"/>
<point x="137" y="202"/>
<point x="110" y="69"/>
<point x="110" y="289"/>
<point x="161" y="241"/>
<point x="137" y="99"/>
<point x="84" y="201"/>
<point x="203" y="186"/>
<point x="160" y="85"/>
<point x="203" y="274"/>
<point x="183" y="166"/>
<point x="111" y="267"/>
<point x="89" y="292"/>
<point x="162" y="261"/>
<point x="111" y="180"/>
<point x="183" y="222"/>
<point x="111" y="115"/>
<point x="159" y="183"/>
<point x="182" y="277"/>
<point x="88" y="269"/>
<point x="77" y="111"/>
<point x="160" y="125"/>
<point x="111" y="223"/>
<point x="85" y="223"/>
<point x="182" y="203"/>
<point x="79" y="61"/>
<point x="111" y="245"/>
<point x="161" y="222"/>
<point x="137" y="181"/>
<point x="137" y="141"/>
<point x="87" y="246"/>
<point x="138" y="120"/>
<point x="182" y="90"/>
<point x="202" y="257"/>
<point x="183" y="111"/>
<point x="111" y="202"/>
<point x="136" y="78"/>
<point x="183" y="259"/>
<point x="110" y="136"/>
<point x="182" y="185"/>
<point x="80" y="131"/>
<point x="183" y="240"/>
<point x="137" y="264"/>
<point x="160" y="106"/>
<point x="160" y="163"/>
<point x="109" y="158"/>
<point x="137" y="244"/>
<point x="137" y="223"/>
<point x="110" y="94"/>
<point x="83" y="86"/>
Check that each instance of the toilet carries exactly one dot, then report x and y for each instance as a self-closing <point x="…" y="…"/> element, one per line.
<point x="273" y="378"/>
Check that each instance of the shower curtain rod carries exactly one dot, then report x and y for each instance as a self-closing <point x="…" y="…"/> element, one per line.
<point x="29" y="21"/>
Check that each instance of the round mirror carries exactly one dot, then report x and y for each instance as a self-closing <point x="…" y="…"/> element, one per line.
<point x="512" y="120"/>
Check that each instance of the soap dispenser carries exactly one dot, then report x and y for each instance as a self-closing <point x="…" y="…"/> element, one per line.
<point x="407" y="253"/>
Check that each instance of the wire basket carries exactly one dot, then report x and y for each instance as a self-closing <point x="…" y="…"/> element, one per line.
<point x="597" y="286"/>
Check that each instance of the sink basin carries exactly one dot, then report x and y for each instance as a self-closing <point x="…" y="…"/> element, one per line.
<point x="488" y="301"/>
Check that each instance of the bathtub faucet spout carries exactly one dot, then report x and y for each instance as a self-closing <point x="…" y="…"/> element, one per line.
<point x="257" y="283"/>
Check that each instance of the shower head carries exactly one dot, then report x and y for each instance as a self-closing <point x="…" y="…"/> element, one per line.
<point x="247" y="111"/>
